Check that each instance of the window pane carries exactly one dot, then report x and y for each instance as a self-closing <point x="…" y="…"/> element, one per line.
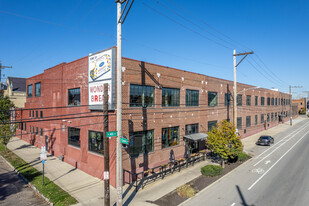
<point x="248" y="121"/>
<point x="141" y="96"/>
<point x="170" y="97"/>
<point x="95" y="142"/>
<point x="227" y="99"/>
<point x="37" y="89"/>
<point x="74" y="97"/>
<point x="170" y="137"/>
<point x="256" y="100"/>
<point x="74" y="136"/>
<point x="212" y="124"/>
<point x="248" y="100"/>
<point x="191" y="129"/>
<point x="29" y="91"/>
<point x="141" y="142"/>
<point x="239" y="123"/>
<point x="192" y="97"/>
<point x="212" y="99"/>
<point x="239" y="99"/>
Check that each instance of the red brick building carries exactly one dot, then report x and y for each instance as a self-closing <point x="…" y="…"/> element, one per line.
<point x="163" y="108"/>
<point x="301" y="104"/>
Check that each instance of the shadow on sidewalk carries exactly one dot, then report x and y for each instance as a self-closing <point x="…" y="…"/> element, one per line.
<point x="243" y="201"/>
<point x="72" y="170"/>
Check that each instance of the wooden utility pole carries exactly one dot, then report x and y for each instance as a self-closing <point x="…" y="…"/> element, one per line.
<point x="106" y="147"/>
<point x="234" y="89"/>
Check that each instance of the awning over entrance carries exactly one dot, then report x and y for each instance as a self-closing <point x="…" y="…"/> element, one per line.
<point x="196" y="137"/>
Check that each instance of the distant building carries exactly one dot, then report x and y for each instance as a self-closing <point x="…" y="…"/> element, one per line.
<point x="16" y="91"/>
<point x="301" y="104"/>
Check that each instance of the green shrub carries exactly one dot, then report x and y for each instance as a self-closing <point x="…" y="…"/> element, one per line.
<point x="185" y="191"/>
<point x="242" y="157"/>
<point x="211" y="170"/>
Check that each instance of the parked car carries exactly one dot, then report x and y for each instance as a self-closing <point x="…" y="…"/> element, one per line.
<point x="265" y="140"/>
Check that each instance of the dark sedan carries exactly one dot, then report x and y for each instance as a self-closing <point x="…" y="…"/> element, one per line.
<point x="265" y="140"/>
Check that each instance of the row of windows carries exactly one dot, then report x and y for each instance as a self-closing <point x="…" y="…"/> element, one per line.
<point x="35" y="114"/>
<point x="32" y="129"/>
<point x="143" y="96"/>
<point x="37" y="90"/>
<point x="270" y="117"/>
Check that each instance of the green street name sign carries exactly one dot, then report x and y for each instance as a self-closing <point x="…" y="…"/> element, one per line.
<point x="124" y="141"/>
<point x="111" y="134"/>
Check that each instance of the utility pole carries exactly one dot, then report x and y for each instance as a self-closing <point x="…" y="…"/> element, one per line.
<point x="235" y="89"/>
<point x="2" y="67"/>
<point x="290" y="90"/>
<point x="119" y="171"/>
<point x="106" y="147"/>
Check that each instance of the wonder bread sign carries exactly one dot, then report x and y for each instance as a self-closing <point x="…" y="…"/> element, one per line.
<point x="101" y="70"/>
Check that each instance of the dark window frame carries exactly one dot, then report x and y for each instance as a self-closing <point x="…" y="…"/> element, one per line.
<point x="194" y="128"/>
<point x="239" y="99"/>
<point x="170" y="133"/>
<point x="248" y="121"/>
<point x="96" y="142"/>
<point x="213" y="96"/>
<point x="256" y="100"/>
<point x="144" y="148"/>
<point x="211" y="124"/>
<point x="74" y="99"/>
<point x="170" y="97"/>
<point x="141" y="95"/>
<point x="29" y="91"/>
<point x="248" y="100"/>
<point x="37" y="89"/>
<point x="239" y="123"/>
<point x="192" y="98"/>
<point x="76" y="141"/>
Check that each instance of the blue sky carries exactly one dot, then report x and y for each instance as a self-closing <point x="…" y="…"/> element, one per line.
<point x="197" y="36"/>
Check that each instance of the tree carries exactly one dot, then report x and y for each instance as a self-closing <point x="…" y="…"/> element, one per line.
<point x="224" y="142"/>
<point x="5" y="106"/>
<point x="6" y="130"/>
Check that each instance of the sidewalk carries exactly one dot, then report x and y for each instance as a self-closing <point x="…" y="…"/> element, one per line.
<point x="89" y="190"/>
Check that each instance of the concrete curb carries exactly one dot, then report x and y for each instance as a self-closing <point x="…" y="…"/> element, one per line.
<point x="225" y="176"/>
<point x="28" y="183"/>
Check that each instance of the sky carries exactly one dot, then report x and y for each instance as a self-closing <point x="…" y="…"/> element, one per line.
<point x="197" y="36"/>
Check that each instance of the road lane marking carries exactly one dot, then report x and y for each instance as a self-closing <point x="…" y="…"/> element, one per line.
<point x="258" y="170"/>
<point x="277" y="161"/>
<point x="267" y="162"/>
<point x="233" y="204"/>
<point x="302" y="127"/>
<point x="277" y="148"/>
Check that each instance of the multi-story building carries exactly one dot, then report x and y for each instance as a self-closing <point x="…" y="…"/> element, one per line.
<point x="301" y="104"/>
<point x="163" y="109"/>
<point x="16" y="91"/>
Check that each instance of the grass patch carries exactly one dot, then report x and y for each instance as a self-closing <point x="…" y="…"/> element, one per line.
<point x="242" y="157"/>
<point x="52" y="191"/>
<point x="211" y="170"/>
<point x="185" y="191"/>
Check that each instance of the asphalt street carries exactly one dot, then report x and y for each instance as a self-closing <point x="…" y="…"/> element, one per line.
<point x="276" y="175"/>
<point x="13" y="191"/>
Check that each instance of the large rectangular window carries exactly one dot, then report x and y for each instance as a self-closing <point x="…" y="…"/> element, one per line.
<point x="239" y="100"/>
<point x="170" y="137"/>
<point x="256" y="100"/>
<point x="248" y="100"/>
<point x="276" y="101"/>
<point x="141" y="142"/>
<point x="95" y="142"/>
<point x="272" y="116"/>
<point x="29" y="90"/>
<point x="268" y="101"/>
<point x="192" y="97"/>
<point x="248" y="121"/>
<point x="268" y="117"/>
<point x="141" y="96"/>
<point x="239" y="123"/>
<point x="262" y="118"/>
<point x="212" y="124"/>
<point x="272" y="101"/>
<point x="212" y="99"/>
<point x="262" y="101"/>
<point x="74" y="136"/>
<point x="255" y="119"/>
<point x="227" y="99"/>
<point x="74" y="97"/>
<point x="276" y="116"/>
<point x="191" y="129"/>
<point x="170" y="97"/>
<point x="37" y="89"/>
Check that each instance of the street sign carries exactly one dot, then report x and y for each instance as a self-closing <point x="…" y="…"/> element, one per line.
<point x="43" y="161"/>
<point x="124" y="141"/>
<point x="111" y="134"/>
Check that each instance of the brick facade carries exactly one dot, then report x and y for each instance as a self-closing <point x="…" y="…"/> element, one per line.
<point x="53" y="102"/>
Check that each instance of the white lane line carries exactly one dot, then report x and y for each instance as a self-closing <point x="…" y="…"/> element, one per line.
<point x="277" y="162"/>
<point x="277" y="148"/>
<point x="233" y="204"/>
<point x="279" y="141"/>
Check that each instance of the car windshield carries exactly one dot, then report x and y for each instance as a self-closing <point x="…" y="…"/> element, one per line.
<point x="264" y="137"/>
